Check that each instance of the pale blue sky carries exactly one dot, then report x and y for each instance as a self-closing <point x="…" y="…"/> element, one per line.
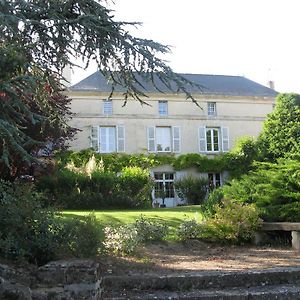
<point x="258" y="39"/>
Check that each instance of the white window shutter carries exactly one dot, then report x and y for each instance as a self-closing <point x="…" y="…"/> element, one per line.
<point x="120" y="138"/>
<point x="151" y="138"/>
<point x="202" y="138"/>
<point x="176" y="139"/>
<point x="225" y="139"/>
<point x="95" y="138"/>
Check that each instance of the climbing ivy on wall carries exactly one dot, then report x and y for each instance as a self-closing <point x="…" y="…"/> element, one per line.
<point x="233" y="162"/>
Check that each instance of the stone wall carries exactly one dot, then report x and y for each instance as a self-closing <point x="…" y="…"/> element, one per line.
<point x="68" y="280"/>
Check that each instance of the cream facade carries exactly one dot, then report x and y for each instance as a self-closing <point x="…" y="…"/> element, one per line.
<point x="241" y="116"/>
<point x="168" y="124"/>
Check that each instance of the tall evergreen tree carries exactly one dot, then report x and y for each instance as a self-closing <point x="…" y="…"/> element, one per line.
<point x="281" y="132"/>
<point x="38" y="38"/>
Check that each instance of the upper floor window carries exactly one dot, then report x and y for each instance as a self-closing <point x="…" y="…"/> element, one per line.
<point x="163" y="108"/>
<point x="164" y="139"/>
<point x="107" y="107"/>
<point x="213" y="139"/>
<point x="107" y="139"/>
<point x="211" y="108"/>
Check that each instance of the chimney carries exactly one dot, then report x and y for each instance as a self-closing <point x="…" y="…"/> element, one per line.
<point x="271" y="84"/>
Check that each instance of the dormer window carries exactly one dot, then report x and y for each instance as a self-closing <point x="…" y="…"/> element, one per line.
<point x="163" y="108"/>
<point x="211" y="108"/>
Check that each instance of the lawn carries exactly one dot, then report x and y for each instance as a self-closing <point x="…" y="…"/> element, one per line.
<point x="169" y="216"/>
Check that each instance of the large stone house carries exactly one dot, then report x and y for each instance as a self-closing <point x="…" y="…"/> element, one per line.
<point x="230" y="107"/>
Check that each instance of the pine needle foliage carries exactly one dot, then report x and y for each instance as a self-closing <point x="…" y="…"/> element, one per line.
<point x="38" y="38"/>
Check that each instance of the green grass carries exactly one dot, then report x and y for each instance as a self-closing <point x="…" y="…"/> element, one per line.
<point x="172" y="217"/>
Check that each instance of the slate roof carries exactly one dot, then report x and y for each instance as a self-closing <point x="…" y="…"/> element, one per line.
<point x="212" y="85"/>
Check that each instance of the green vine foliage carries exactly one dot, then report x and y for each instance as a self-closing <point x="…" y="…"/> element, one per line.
<point x="235" y="163"/>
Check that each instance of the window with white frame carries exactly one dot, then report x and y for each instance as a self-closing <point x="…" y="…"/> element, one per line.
<point x="213" y="139"/>
<point x="107" y="139"/>
<point x="164" y="185"/>
<point x="214" y="180"/>
<point x="163" y="108"/>
<point x="211" y="108"/>
<point x="164" y="139"/>
<point x="107" y="107"/>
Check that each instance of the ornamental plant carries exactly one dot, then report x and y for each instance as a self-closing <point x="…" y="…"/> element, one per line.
<point x="121" y="240"/>
<point x="273" y="187"/>
<point x="191" y="189"/>
<point x="125" y="239"/>
<point x="188" y="230"/>
<point x="232" y="222"/>
<point x="36" y="234"/>
<point x="149" y="230"/>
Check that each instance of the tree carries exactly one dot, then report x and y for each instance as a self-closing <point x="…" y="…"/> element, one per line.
<point x="273" y="187"/>
<point x="38" y="38"/>
<point x="33" y="112"/>
<point x="281" y="132"/>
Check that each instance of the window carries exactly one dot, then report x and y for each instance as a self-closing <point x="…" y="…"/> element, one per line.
<point x="211" y="108"/>
<point x="163" y="108"/>
<point x="164" y="185"/>
<point x="214" y="180"/>
<point x="213" y="139"/>
<point x="107" y="139"/>
<point x="164" y="139"/>
<point x="107" y="107"/>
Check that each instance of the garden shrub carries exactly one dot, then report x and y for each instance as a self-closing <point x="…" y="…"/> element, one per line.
<point x="189" y="229"/>
<point x="273" y="187"/>
<point x="240" y="159"/>
<point x="98" y="189"/>
<point x="125" y="239"/>
<point x="33" y="233"/>
<point x="208" y="206"/>
<point x="137" y="185"/>
<point x="191" y="189"/>
<point x="27" y="230"/>
<point x="82" y="236"/>
<point x="232" y="222"/>
<point x="121" y="240"/>
<point x="149" y="230"/>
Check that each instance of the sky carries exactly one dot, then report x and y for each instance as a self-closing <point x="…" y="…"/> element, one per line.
<point x="258" y="39"/>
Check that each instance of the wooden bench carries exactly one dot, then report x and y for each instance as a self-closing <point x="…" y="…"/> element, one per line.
<point x="280" y="226"/>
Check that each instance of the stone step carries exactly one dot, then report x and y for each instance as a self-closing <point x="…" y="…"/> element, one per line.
<point x="278" y="292"/>
<point x="82" y="291"/>
<point x="59" y="273"/>
<point x="202" y="280"/>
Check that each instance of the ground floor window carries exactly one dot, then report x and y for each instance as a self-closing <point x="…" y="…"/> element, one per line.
<point x="164" y="185"/>
<point x="214" y="180"/>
